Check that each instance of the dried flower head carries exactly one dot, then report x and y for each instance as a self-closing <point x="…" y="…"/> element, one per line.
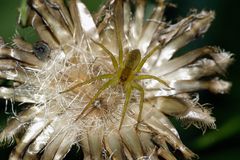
<point x="107" y="82"/>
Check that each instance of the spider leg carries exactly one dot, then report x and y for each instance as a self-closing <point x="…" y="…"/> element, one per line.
<point x="148" y="55"/>
<point x="104" y="86"/>
<point x="109" y="53"/>
<point x="141" y="77"/>
<point x="141" y="90"/>
<point x="128" y="91"/>
<point x="100" y="77"/>
<point x="118" y="23"/>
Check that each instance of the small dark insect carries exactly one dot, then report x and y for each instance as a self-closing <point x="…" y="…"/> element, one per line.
<point x="41" y="50"/>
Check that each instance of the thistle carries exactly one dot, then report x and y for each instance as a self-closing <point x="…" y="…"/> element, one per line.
<point x="107" y="82"/>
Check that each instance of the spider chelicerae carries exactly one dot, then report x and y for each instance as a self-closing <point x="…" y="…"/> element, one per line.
<point x="126" y="74"/>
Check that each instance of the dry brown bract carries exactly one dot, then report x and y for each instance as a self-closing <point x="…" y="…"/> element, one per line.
<point x="107" y="82"/>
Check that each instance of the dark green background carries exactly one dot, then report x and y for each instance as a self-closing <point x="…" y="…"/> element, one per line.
<point x="220" y="144"/>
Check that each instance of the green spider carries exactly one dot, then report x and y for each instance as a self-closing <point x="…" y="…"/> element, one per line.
<point x="126" y="71"/>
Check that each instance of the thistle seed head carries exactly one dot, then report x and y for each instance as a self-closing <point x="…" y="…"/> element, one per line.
<point x="77" y="84"/>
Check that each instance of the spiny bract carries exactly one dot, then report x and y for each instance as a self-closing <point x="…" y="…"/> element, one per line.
<point x="124" y="114"/>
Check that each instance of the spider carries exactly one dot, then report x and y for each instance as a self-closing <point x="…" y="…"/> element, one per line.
<point x="126" y="71"/>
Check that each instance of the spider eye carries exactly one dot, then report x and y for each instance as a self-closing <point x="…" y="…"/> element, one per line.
<point x="41" y="50"/>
